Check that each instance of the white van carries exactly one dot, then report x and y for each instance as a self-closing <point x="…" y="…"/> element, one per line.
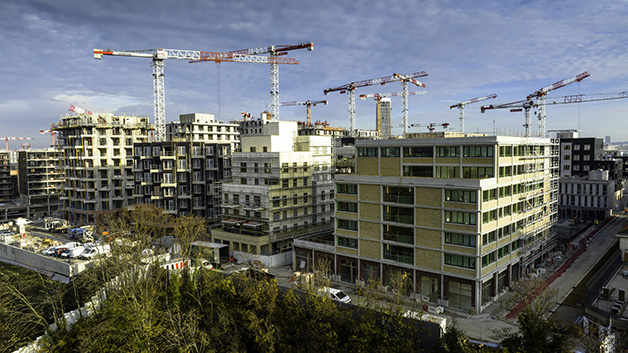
<point x="72" y="253"/>
<point x="334" y="294"/>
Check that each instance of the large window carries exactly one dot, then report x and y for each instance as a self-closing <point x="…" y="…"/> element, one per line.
<point x="460" y="217"/>
<point x="477" y="151"/>
<point x="399" y="195"/>
<point x="398" y="234"/>
<point x="418" y="152"/>
<point x="426" y="171"/>
<point x="347" y="242"/>
<point x="367" y="152"/>
<point x="344" y="206"/>
<point x="399" y="214"/>
<point x="477" y="172"/>
<point x="347" y="224"/>
<point x="399" y="254"/>
<point x="347" y="189"/>
<point x="449" y="151"/>
<point x="447" y="172"/>
<point x="470" y="196"/>
<point x="488" y="259"/>
<point x="461" y="239"/>
<point x="390" y="152"/>
<point x="459" y="261"/>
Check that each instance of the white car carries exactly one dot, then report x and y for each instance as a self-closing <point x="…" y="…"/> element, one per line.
<point x="72" y="253"/>
<point x="334" y="294"/>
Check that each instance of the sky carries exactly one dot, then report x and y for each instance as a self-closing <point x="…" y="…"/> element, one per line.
<point x="468" y="48"/>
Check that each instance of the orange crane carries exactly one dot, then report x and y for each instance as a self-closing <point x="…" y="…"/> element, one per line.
<point x="159" y="55"/>
<point x="350" y="88"/>
<point x="52" y="134"/>
<point x="526" y="105"/>
<point x="6" y="139"/>
<point x="308" y="104"/>
<point x="462" y="104"/>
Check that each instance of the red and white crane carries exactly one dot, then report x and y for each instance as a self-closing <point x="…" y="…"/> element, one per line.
<point x="308" y="104"/>
<point x="379" y="96"/>
<point x="274" y="51"/>
<point x="350" y="88"/>
<point x="12" y="138"/>
<point x="526" y="105"/>
<point x="79" y="110"/>
<point x="462" y="104"/>
<point x="159" y="55"/>
<point x="52" y="134"/>
<point x="540" y="94"/>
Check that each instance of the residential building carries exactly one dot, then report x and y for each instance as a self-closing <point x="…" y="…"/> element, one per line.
<point x="282" y="189"/>
<point x="197" y="127"/>
<point x="40" y="180"/>
<point x="462" y="215"/>
<point x="589" y="198"/>
<point x="181" y="177"/>
<point x="6" y="185"/>
<point x="97" y="162"/>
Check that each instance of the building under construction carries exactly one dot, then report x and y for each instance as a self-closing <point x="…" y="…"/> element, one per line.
<point x="40" y="181"/>
<point x="97" y="165"/>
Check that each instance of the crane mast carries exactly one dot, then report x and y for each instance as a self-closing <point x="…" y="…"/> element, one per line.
<point x="462" y="104"/>
<point x="378" y="97"/>
<point x="350" y="88"/>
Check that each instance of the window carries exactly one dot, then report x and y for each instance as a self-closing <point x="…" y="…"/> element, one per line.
<point x="399" y="254"/>
<point x="399" y="214"/>
<point x="468" y="196"/>
<point x="503" y="251"/>
<point x="460" y="217"/>
<point x="242" y="167"/>
<point x="488" y="195"/>
<point x="477" y="172"/>
<point x="418" y="152"/>
<point x="505" y="151"/>
<point x="477" y="151"/>
<point x="488" y="259"/>
<point x="461" y="239"/>
<point x="398" y="234"/>
<point x="344" y="206"/>
<point x="347" y="242"/>
<point x="459" y="261"/>
<point x="450" y="151"/>
<point x="587" y="147"/>
<point x="390" y="152"/>
<point x="399" y="195"/>
<point x="347" y="189"/>
<point x="367" y="152"/>
<point x="447" y="172"/>
<point x="418" y="171"/>
<point x="489" y="216"/>
<point x="347" y="224"/>
<point x="576" y="147"/>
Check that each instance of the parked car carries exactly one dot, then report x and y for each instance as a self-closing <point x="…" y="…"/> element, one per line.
<point x="93" y="251"/>
<point x="72" y="253"/>
<point x="334" y="294"/>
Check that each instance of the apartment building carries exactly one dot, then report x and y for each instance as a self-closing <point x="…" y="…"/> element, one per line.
<point x="40" y="181"/>
<point x="282" y="189"/>
<point x="462" y="215"/>
<point x="197" y="127"/>
<point x="181" y="177"/>
<point x="97" y="162"/>
<point x="6" y="184"/>
<point x="588" y="198"/>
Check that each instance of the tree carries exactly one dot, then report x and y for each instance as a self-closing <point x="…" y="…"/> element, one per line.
<point x="537" y="335"/>
<point x="534" y="291"/>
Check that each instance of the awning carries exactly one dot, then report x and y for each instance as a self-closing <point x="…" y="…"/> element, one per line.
<point x="252" y="224"/>
<point x="232" y="221"/>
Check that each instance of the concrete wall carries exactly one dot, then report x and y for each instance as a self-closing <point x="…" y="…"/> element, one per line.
<point x="269" y="261"/>
<point x="45" y="264"/>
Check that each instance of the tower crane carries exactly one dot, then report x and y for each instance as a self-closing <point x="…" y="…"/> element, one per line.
<point x="308" y="104"/>
<point x="378" y="97"/>
<point x="52" y="134"/>
<point x="6" y="140"/>
<point x="79" y="110"/>
<point x="275" y="51"/>
<point x="350" y="88"/>
<point x="526" y="105"/>
<point x="540" y="94"/>
<point x="159" y="55"/>
<point x="462" y="104"/>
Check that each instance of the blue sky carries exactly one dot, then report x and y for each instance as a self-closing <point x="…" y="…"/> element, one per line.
<point x="468" y="48"/>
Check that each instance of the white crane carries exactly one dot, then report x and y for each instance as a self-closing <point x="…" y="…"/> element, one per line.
<point x="159" y="55"/>
<point x="350" y="88"/>
<point x="378" y="97"/>
<point x="526" y="105"/>
<point x="308" y="104"/>
<point x="462" y="104"/>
